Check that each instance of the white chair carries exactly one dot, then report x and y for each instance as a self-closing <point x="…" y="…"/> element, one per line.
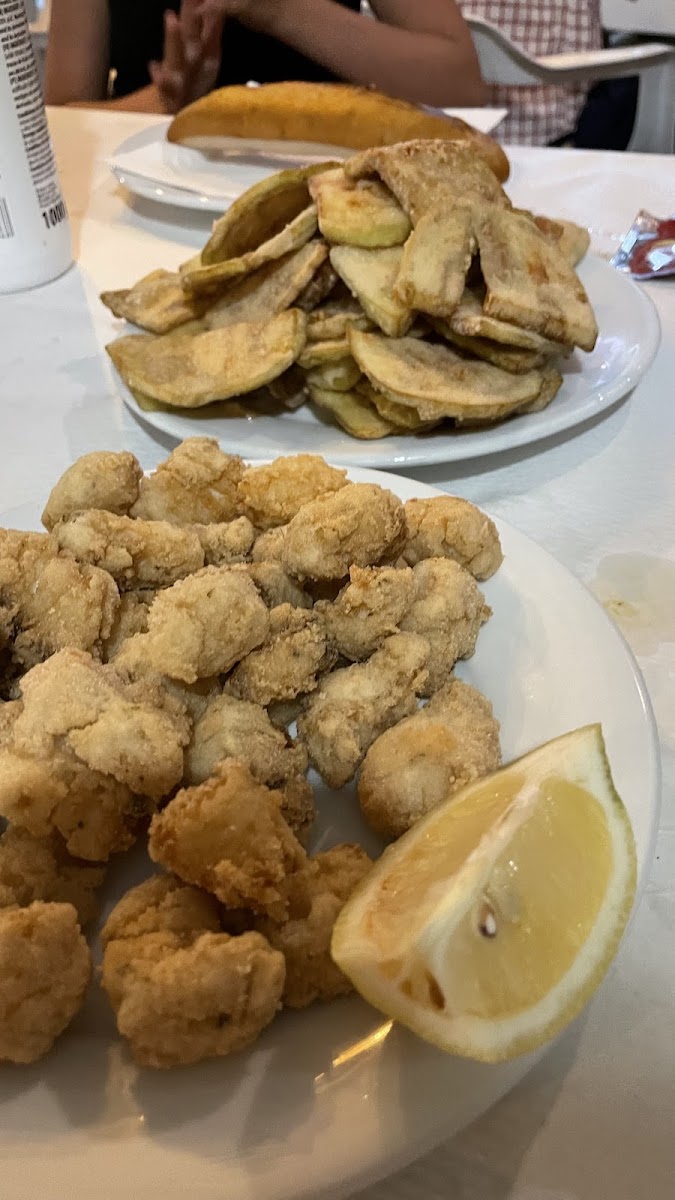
<point x="639" y="16"/>
<point x="502" y="62"/>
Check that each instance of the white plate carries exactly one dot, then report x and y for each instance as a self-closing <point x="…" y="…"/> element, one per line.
<point x="629" y="338"/>
<point x="155" y="169"/>
<point x="332" y="1098"/>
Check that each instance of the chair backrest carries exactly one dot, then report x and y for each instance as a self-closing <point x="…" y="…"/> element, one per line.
<point x="639" y="16"/>
<point x="499" y="60"/>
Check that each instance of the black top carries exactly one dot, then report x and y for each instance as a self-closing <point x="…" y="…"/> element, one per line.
<point x="136" y="37"/>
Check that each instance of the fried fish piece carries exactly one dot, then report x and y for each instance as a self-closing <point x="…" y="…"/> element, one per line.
<point x="427" y="757"/>
<point x="429" y="174"/>
<point x="275" y="585"/>
<point x="226" y="542"/>
<point x="371" y="276"/>
<point x="50" y="601"/>
<point x="161" y="904"/>
<point x="215" y="365"/>
<point x="45" y="967"/>
<point x="197" y="484"/>
<point x="448" y="611"/>
<point x="470" y="320"/>
<point x="528" y="281"/>
<point x="233" y="728"/>
<point x="260" y="214"/>
<point x="436" y="382"/>
<point x="156" y="303"/>
<point x="435" y="261"/>
<point x="210" y="280"/>
<point x="271" y="494"/>
<point x="136" y="553"/>
<point x="361" y="213"/>
<point x="40" y="868"/>
<point x="352" y="411"/>
<point x="359" y="525"/>
<point x="102" y="479"/>
<point x="355" y="704"/>
<point x="81" y="747"/>
<point x="304" y="940"/>
<point x="269" y="547"/>
<point x="179" y="1005"/>
<point x="200" y="627"/>
<point x="451" y="527"/>
<point x="268" y="291"/>
<point x="131" y="617"/>
<point x="368" y="610"/>
<point x="294" y="655"/>
<point x="228" y="836"/>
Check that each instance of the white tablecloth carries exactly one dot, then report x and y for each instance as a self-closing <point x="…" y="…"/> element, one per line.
<point x="596" y="1119"/>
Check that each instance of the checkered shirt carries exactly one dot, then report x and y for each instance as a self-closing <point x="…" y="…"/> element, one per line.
<point x="542" y="113"/>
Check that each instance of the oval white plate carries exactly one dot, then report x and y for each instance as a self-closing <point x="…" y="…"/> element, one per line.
<point x="628" y="340"/>
<point x="332" y="1098"/>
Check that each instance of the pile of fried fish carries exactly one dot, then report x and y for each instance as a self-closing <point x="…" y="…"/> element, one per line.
<point x="396" y="292"/>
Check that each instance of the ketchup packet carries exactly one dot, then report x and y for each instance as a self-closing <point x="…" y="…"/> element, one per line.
<point x="648" y="249"/>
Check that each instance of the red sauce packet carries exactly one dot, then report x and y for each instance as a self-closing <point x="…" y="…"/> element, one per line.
<point x="648" y="249"/>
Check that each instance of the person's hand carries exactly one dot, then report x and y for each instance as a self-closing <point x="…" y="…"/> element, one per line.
<point x="191" y="55"/>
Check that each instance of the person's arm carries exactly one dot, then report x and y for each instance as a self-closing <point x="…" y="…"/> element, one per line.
<point x="419" y="50"/>
<point x="77" y="51"/>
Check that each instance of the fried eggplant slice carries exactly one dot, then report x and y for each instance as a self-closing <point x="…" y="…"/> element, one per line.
<point x="156" y="303"/>
<point x="507" y="358"/>
<point x="528" y="281"/>
<point x="210" y="280"/>
<point x="358" y="213"/>
<point x="370" y="276"/>
<point x="341" y="376"/>
<point x="261" y="213"/>
<point x="436" y="260"/>
<point x="211" y="366"/>
<point x="437" y="382"/>
<point x="469" y="320"/>
<point x="268" y="291"/>
<point x="353" y="412"/>
<point x="429" y="174"/>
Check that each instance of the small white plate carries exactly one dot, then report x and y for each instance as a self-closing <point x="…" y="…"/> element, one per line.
<point x="629" y="338"/>
<point x="155" y="169"/>
<point x="332" y="1098"/>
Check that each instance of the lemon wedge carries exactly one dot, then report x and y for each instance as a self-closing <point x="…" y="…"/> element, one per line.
<point x="489" y="924"/>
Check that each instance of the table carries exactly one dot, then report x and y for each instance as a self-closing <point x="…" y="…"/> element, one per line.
<point x="594" y="1120"/>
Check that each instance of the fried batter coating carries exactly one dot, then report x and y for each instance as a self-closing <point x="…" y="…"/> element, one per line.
<point x="416" y="765"/>
<point x="45" y="967"/>
<point x="81" y="747"/>
<point x="201" y="626"/>
<point x="273" y="493"/>
<point x="228" y="836"/>
<point x="304" y="940"/>
<point x="269" y="547"/>
<point x="353" y="706"/>
<point x="49" y="600"/>
<point x="449" y="527"/>
<point x="296" y="652"/>
<point x="232" y="728"/>
<point x="358" y="526"/>
<point x="103" y="479"/>
<point x="162" y="904"/>
<point x="448" y="611"/>
<point x="197" y="484"/>
<point x="274" y="585"/>
<point x="137" y="554"/>
<point x="368" y="610"/>
<point x="131" y="618"/>
<point x="202" y="1001"/>
<point x="226" y="541"/>
<point x="33" y="868"/>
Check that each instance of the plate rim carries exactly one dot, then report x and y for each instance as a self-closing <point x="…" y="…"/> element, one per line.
<point x="359" y="1175"/>
<point x="401" y="453"/>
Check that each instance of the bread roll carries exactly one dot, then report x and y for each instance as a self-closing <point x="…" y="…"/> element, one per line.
<point x="329" y="114"/>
